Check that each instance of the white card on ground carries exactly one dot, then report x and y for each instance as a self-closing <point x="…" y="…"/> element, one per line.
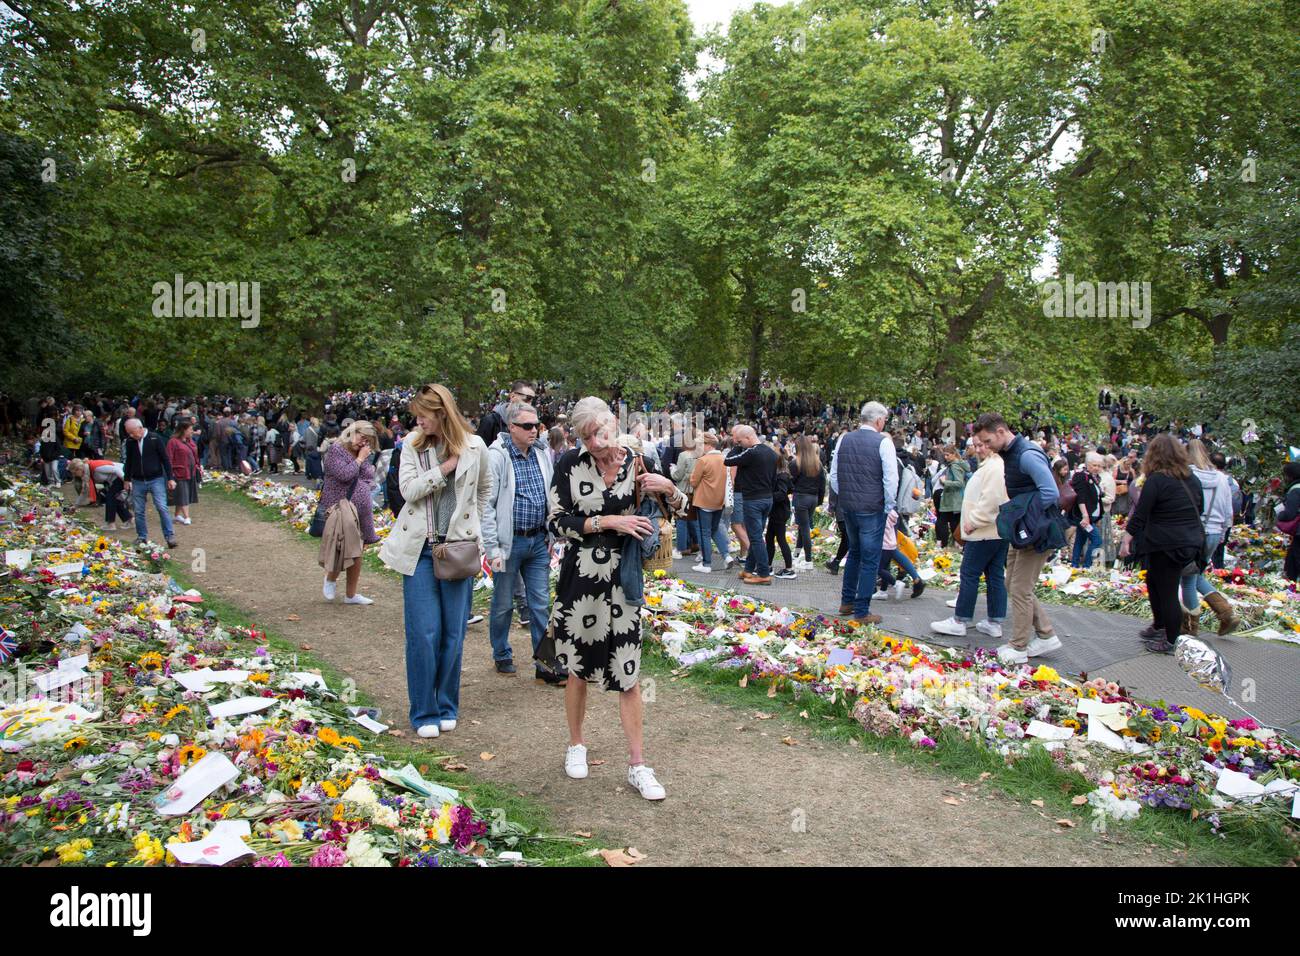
<point x="1074" y="587"/>
<point x="308" y="679"/>
<point x="225" y="842"/>
<point x="194" y="785"/>
<point x="1045" y="731"/>
<point x="62" y="570"/>
<point x="372" y="725"/>
<point x="52" y="680"/>
<point x="80" y="662"/>
<point x="1295" y="806"/>
<point x="791" y="649"/>
<point x="1099" y="733"/>
<point x="229" y="677"/>
<point x="839" y="657"/>
<point x="241" y="705"/>
<point x="19" y="558"/>
<point x="926" y="574"/>
<point x="1238" y="786"/>
<point x="199" y="681"/>
<point x="1090" y="705"/>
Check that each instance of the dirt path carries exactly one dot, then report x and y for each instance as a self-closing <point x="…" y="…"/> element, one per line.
<point x="734" y="790"/>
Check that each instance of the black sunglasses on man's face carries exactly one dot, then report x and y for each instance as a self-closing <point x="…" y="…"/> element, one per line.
<point x="526" y="397"/>
<point x="528" y="426"/>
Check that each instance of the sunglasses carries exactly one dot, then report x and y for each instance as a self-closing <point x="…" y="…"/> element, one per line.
<point x="527" y="426"/>
<point x="526" y="397"/>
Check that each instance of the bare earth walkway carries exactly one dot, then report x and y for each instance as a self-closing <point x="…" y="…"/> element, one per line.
<point x="734" y="789"/>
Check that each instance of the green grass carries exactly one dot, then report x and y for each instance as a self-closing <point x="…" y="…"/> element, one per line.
<point x="1250" y="840"/>
<point x="559" y="849"/>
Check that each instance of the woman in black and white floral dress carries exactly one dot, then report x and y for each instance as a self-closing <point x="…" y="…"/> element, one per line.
<point x="597" y="633"/>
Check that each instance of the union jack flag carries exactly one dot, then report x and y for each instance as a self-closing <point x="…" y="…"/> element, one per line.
<point x="8" y="645"/>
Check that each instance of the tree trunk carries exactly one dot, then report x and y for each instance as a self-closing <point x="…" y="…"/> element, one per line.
<point x="755" y="370"/>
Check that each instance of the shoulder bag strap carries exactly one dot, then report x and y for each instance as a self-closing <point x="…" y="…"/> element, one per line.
<point x="428" y="511"/>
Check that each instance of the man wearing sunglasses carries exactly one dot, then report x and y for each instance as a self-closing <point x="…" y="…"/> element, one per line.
<point x="514" y="532"/>
<point x="493" y="423"/>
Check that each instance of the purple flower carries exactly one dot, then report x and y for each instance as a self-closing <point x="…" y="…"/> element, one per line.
<point x="464" y="828"/>
<point x="278" y="860"/>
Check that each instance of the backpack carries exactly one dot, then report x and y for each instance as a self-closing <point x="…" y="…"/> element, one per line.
<point x="392" y="489"/>
<point x="1025" y="524"/>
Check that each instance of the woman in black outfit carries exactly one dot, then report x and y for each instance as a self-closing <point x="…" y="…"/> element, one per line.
<point x="809" y="492"/>
<point x="779" y="516"/>
<point x="1290" y="508"/>
<point x="1165" y="531"/>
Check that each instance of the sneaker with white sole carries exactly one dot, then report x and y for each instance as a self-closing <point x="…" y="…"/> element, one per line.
<point x="950" y="626"/>
<point x="446" y="725"/>
<point x="785" y="573"/>
<point x="575" y="761"/>
<point x="677" y="555"/>
<point x="899" y="587"/>
<point x="329" y="589"/>
<point x="728" y="562"/>
<point x="643" y="778"/>
<point x="1012" y="655"/>
<point x="952" y="603"/>
<point x="358" y="599"/>
<point x="428" y="730"/>
<point x="989" y="628"/>
<point x="702" y="568"/>
<point x="475" y="619"/>
<point x="1043" y="645"/>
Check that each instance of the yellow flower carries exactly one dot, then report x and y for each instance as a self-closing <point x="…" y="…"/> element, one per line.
<point x="178" y="709"/>
<point x="661" y="573"/>
<point x="76" y="743"/>
<point x="148" y="850"/>
<point x="152" y="661"/>
<point x="259" y="678"/>
<point x="191" y="754"/>
<point x="1045" y="673"/>
<point x="350" y="741"/>
<point x="331" y="790"/>
<point x="328" y="735"/>
<point x="73" y="852"/>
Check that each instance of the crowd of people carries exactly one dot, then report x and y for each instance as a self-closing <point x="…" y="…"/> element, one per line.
<point x="507" y="481"/>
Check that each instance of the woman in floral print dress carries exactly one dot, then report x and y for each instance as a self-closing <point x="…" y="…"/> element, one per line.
<point x="597" y="632"/>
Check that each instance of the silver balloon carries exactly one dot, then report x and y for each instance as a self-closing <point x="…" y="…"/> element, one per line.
<point x="1205" y="665"/>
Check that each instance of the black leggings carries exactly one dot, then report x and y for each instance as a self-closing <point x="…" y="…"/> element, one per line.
<point x="1163" y="577"/>
<point x="115" y="510"/>
<point x="945" y="522"/>
<point x="777" y="520"/>
<point x="842" y="552"/>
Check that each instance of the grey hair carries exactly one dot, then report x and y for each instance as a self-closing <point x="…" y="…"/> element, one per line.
<point x="515" y="409"/>
<point x="1093" y="458"/>
<point x="872" y="411"/>
<point x="589" y="412"/>
<point x="134" y="421"/>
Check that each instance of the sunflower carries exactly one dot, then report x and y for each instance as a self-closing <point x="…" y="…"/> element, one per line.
<point x="178" y="709"/>
<point x="259" y="678"/>
<point x="76" y="743"/>
<point x="350" y="741"/>
<point x="328" y="735"/>
<point x="191" y="753"/>
<point x="152" y="661"/>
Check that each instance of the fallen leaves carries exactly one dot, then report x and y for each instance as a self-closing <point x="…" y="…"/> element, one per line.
<point x="455" y="767"/>
<point x="628" y="857"/>
<point x="952" y="801"/>
<point x="1070" y="824"/>
<point x="1081" y="800"/>
<point x="596" y="763"/>
<point x="803" y="714"/>
<point x="789" y="741"/>
<point x="771" y="691"/>
<point x="985" y="775"/>
<point x="582" y="833"/>
<point x="762" y="716"/>
<point x="293" y="617"/>
<point x="486" y="756"/>
<point x="1036" y="803"/>
<point x="397" y="733"/>
<point x="744" y="681"/>
<point x="304" y="647"/>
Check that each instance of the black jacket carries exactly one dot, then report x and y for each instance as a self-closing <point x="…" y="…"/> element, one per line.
<point x="154" y="464"/>
<point x="755" y="469"/>
<point x="1167" y="517"/>
<point x="815" y="486"/>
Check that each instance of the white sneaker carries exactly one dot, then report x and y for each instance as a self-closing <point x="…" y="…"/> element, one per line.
<point x="1010" y="655"/>
<point x="702" y="568"/>
<point x="643" y="778"/>
<point x="677" y="555"/>
<point x="475" y="619"/>
<point x="1043" y="645"/>
<point x="428" y="730"/>
<point x="110" y="527"/>
<point x="184" y="520"/>
<point x="446" y="725"/>
<point x="728" y="563"/>
<point x="952" y="603"/>
<point x="575" y="761"/>
<point x="989" y="628"/>
<point x="330" y="589"/>
<point x="357" y="599"/>
<point x="899" y="587"/>
<point x="950" y="626"/>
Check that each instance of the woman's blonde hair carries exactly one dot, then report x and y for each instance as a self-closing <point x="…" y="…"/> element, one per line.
<point x="436" y="401"/>
<point x="365" y="429"/>
<point x="590" y="411"/>
<point x="1197" y="455"/>
<point x="810" y="463"/>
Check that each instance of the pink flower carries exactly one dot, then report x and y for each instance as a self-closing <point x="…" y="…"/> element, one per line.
<point x="329" y="855"/>
<point x="278" y="860"/>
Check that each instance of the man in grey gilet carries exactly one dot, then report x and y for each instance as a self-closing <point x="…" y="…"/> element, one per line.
<point x="864" y="477"/>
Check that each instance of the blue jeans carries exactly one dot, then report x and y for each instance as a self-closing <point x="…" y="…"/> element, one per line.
<point x="157" y="489"/>
<point x="434" y="613"/>
<point x="866" y="533"/>
<point x="989" y="559"/>
<point x="1196" y="586"/>
<point x="888" y="557"/>
<point x="711" y="532"/>
<point x="756" y="512"/>
<point x="687" y="532"/>
<point x="1085" y="540"/>
<point x="530" y="558"/>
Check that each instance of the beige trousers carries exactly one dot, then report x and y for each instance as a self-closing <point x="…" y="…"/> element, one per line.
<point x="1027" y="613"/>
